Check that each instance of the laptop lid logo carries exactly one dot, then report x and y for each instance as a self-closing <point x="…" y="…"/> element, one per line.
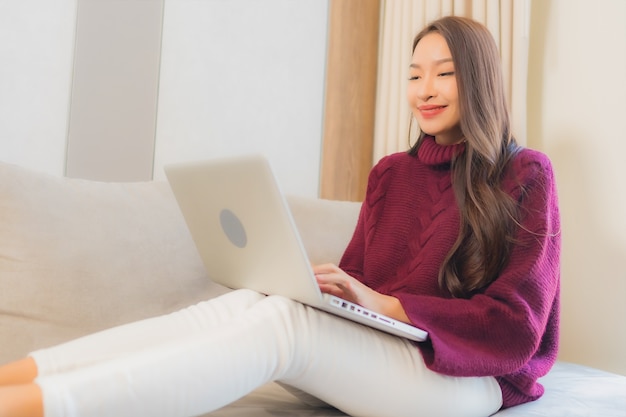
<point x="233" y="229"/>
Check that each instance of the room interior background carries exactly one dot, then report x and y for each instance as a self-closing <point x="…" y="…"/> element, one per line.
<point x="113" y="90"/>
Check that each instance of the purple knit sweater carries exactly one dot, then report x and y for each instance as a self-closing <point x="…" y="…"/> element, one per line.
<point x="408" y="223"/>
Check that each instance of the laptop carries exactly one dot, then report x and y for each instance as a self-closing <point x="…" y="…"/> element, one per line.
<point x="247" y="238"/>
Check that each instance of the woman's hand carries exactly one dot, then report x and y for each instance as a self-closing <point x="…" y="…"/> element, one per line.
<point x="334" y="281"/>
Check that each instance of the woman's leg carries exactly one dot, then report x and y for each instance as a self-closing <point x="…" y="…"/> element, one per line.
<point x="19" y="396"/>
<point x="133" y="337"/>
<point x="367" y="373"/>
<point x="186" y="377"/>
<point x="128" y="338"/>
<point x="364" y="372"/>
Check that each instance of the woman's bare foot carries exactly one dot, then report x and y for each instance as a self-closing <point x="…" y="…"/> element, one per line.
<point x="21" y="401"/>
<point x="23" y="371"/>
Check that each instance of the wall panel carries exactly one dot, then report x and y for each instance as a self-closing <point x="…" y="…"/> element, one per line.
<point x="115" y="90"/>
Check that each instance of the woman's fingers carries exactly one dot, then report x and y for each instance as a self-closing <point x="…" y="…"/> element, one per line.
<point x="333" y="280"/>
<point x="336" y="279"/>
<point x="332" y="290"/>
<point x="325" y="268"/>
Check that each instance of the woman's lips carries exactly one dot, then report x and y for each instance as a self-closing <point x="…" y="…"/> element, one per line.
<point x="431" y="110"/>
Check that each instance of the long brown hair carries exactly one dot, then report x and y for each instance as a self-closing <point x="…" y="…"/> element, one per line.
<point x="488" y="215"/>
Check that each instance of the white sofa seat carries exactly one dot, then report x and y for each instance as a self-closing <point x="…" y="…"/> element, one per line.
<point x="571" y="391"/>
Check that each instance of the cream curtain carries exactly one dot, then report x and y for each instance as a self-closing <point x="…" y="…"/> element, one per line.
<point x="508" y="21"/>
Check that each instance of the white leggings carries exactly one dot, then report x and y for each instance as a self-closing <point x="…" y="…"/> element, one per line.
<point x="206" y="356"/>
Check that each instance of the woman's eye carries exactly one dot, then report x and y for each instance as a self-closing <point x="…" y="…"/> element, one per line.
<point x="414" y="77"/>
<point x="446" y="74"/>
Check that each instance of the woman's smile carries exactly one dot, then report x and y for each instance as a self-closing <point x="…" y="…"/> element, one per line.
<point x="430" y="110"/>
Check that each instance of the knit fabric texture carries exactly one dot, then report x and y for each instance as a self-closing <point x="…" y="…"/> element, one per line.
<point x="408" y="223"/>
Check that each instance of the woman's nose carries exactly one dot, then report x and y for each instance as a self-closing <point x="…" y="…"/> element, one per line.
<point x="426" y="88"/>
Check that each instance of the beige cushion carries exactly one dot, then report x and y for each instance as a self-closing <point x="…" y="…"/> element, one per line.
<point x="77" y="256"/>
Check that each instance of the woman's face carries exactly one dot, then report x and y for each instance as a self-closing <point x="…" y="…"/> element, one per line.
<point x="432" y="90"/>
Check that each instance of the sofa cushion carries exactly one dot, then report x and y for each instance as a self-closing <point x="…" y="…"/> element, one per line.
<point x="77" y="256"/>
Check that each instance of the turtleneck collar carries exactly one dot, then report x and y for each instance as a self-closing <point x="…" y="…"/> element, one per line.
<point x="431" y="153"/>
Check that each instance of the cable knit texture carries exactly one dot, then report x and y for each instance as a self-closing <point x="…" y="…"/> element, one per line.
<point x="408" y="223"/>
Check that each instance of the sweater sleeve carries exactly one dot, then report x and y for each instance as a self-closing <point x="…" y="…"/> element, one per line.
<point x="514" y="321"/>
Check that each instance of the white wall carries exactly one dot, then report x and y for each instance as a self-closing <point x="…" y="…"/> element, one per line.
<point x="244" y="76"/>
<point x="36" y="54"/>
<point x="577" y="108"/>
<point x="227" y="77"/>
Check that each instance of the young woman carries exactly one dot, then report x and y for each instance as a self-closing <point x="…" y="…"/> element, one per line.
<point x="459" y="236"/>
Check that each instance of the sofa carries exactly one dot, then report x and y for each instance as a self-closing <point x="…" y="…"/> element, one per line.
<point x="78" y="256"/>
